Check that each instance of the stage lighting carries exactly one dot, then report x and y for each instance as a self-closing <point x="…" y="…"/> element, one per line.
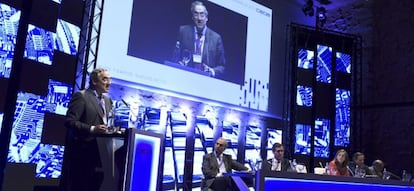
<point x="308" y="8"/>
<point x="321" y="16"/>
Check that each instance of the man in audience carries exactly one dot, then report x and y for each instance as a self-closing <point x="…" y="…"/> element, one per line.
<point x="217" y="163"/>
<point x="377" y="168"/>
<point x="357" y="165"/>
<point x="278" y="162"/>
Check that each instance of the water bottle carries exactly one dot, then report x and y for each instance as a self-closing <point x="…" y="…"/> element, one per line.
<point x="357" y="171"/>
<point x="111" y="123"/>
<point x="327" y="168"/>
<point x="406" y="177"/>
<point x="385" y="174"/>
<point x="293" y="165"/>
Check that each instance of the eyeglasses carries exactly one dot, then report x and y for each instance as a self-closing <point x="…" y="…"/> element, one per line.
<point x="199" y="14"/>
<point x="106" y="79"/>
<point x="219" y="144"/>
<point x="280" y="151"/>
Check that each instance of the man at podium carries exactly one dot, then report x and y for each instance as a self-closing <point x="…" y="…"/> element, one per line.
<point x="217" y="163"/>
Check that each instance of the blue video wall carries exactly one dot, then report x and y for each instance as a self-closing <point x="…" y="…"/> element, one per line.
<point x="321" y="94"/>
<point x="47" y="63"/>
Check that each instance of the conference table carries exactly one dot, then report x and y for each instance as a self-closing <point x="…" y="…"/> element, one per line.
<point x="287" y="181"/>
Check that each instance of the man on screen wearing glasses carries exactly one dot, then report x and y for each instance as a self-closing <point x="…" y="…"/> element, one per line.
<point x="198" y="46"/>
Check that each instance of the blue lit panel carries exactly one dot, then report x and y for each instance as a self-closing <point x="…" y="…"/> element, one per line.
<point x="49" y="163"/>
<point x="305" y="58"/>
<point x="58" y="98"/>
<point x="230" y="133"/>
<point x="179" y="162"/>
<point x="206" y="132"/>
<point x="304" y="96"/>
<point x="9" y="23"/>
<point x="343" y="62"/>
<point x="232" y="152"/>
<point x="25" y="146"/>
<point x="67" y="37"/>
<point x="253" y="144"/>
<point x="324" y="64"/>
<point x="27" y="128"/>
<point x="179" y="143"/>
<point x="39" y="45"/>
<point x="321" y="138"/>
<point x="197" y="173"/>
<point x="169" y="170"/>
<point x="252" y="158"/>
<point x="302" y="139"/>
<point x="342" y="117"/>
<point x="273" y="136"/>
<point x="123" y="115"/>
<point x="144" y="172"/>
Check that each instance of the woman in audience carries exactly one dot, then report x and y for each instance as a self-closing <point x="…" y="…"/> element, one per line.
<point x="338" y="166"/>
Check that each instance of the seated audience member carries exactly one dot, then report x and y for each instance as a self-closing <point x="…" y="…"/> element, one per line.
<point x="338" y="166"/>
<point x="217" y="163"/>
<point x="377" y="168"/>
<point x="358" y="164"/>
<point x="278" y="162"/>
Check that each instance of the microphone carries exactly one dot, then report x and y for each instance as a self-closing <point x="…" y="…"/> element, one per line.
<point x="394" y="175"/>
<point x="126" y="104"/>
<point x="320" y="164"/>
<point x="350" y="171"/>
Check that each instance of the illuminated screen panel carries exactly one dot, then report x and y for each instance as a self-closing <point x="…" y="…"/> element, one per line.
<point x="305" y="58"/>
<point x="321" y="138"/>
<point x="145" y="50"/>
<point x="273" y="136"/>
<point x="25" y="146"/>
<point x="206" y="133"/>
<point x="230" y="133"/>
<point x="123" y="115"/>
<point x="302" y="139"/>
<point x="324" y="64"/>
<point x="9" y="23"/>
<point x="304" y="96"/>
<point x="253" y="145"/>
<point x="342" y="117"/>
<point x="169" y="170"/>
<point x="197" y="173"/>
<point x="343" y="62"/>
<point x="67" y="37"/>
<point x="39" y="45"/>
<point x="179" y="162"/>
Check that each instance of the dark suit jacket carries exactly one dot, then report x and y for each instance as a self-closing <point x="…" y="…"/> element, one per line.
<point x="285" y="165"/>
<point x="213" y="52"/>
<point x="210" y="168"/>
<point x="81" y="152"/>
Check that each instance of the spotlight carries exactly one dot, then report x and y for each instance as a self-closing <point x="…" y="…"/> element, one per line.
<point x="308" y="8"/>
<point x="320" y="16"/>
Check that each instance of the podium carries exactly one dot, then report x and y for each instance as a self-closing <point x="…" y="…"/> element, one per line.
<point x="127" y="162"/>
<point x="144" y="161"/>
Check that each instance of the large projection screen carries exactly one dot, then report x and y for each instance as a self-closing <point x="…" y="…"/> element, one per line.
<point x="138" y="38"/>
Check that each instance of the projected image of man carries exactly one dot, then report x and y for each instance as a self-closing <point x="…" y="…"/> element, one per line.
<point x="198" y="46"/>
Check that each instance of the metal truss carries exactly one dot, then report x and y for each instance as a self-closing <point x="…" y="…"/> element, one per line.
<point x="89" y="41"/>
